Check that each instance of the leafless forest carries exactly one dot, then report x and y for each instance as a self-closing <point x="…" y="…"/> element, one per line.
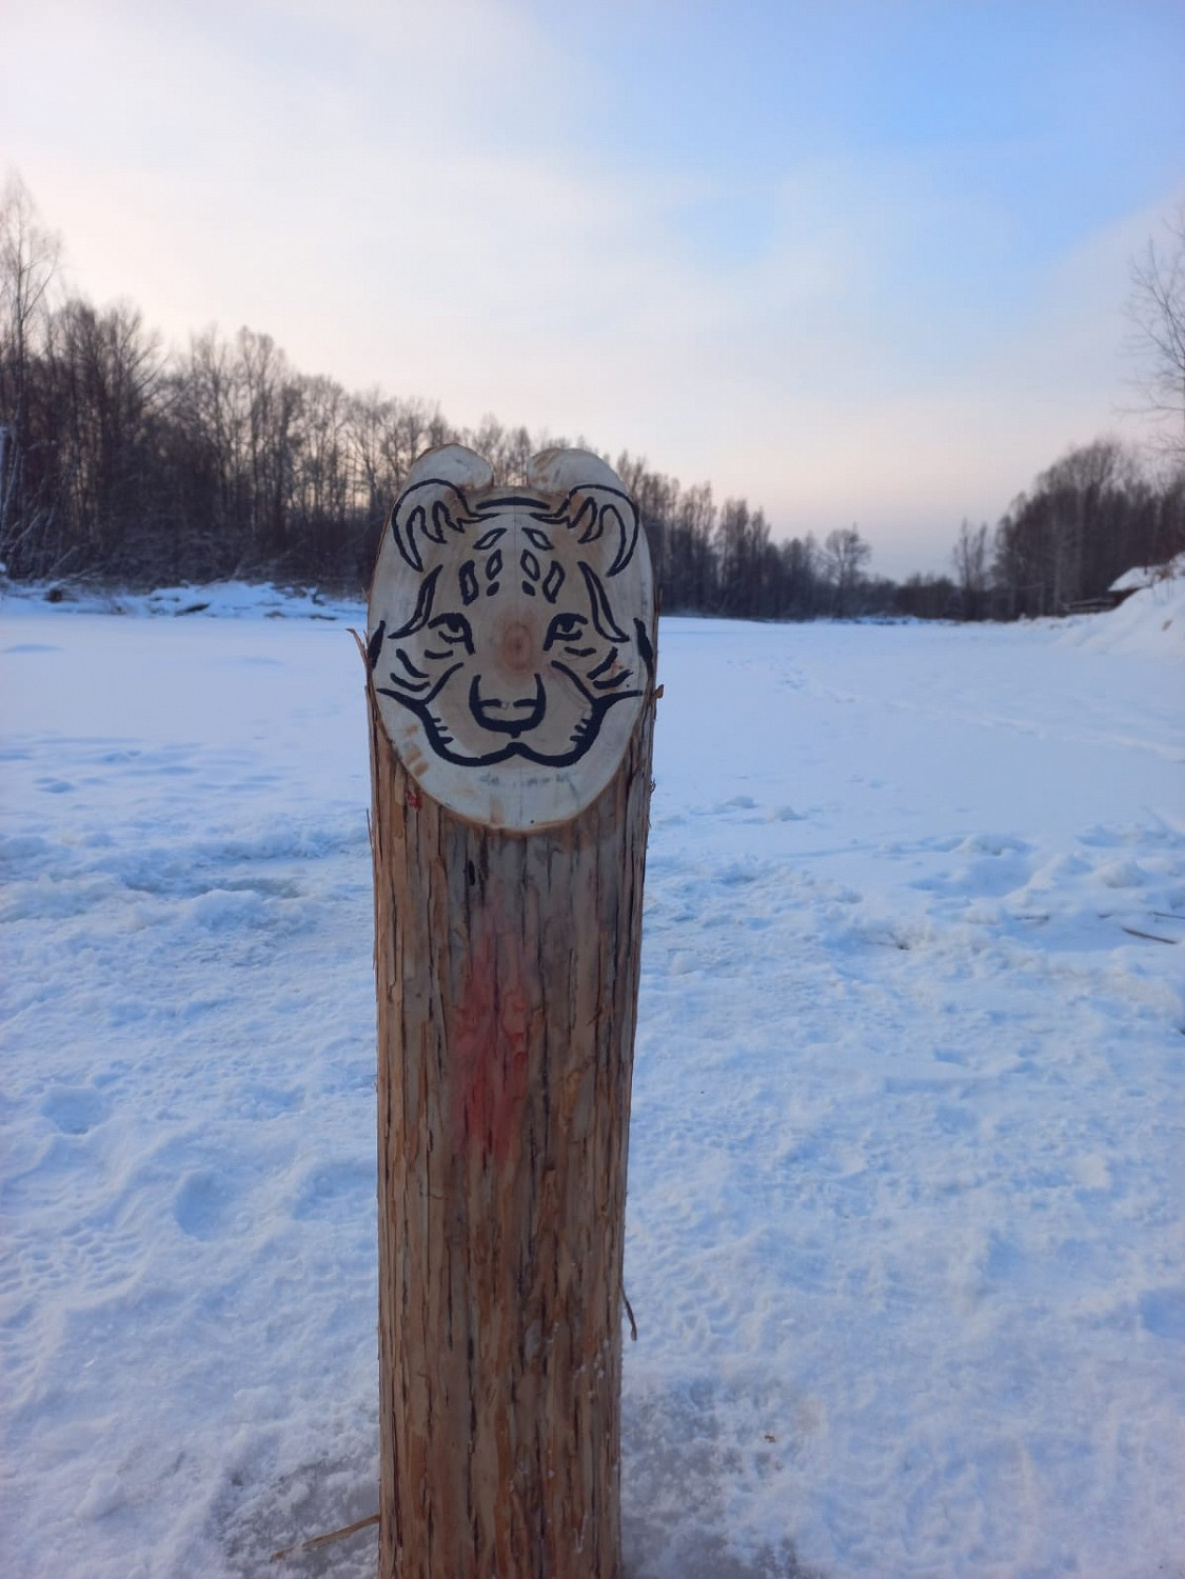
<point x="126" y="463"/>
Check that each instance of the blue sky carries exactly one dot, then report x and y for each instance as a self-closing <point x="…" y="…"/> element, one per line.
<point x="859" y="262"/>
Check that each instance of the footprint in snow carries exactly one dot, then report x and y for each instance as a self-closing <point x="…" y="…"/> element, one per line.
<point x="325" y="1190"/>
<point x="203" y="1204"/>
<point x="267" y="1102"/>
<point x="1162" y="1310"/>
<point x="955" y="1120"/>
<point x="1120" y="874"/>
<point x="785" y="814"/>
<point x="74" y="1109"/>
<point x="992" y="844"/>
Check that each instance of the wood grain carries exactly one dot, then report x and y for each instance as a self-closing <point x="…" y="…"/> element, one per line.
<point x="507" y="976"/>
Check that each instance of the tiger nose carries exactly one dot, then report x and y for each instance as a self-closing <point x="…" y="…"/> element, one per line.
<point x="518" y="648"/>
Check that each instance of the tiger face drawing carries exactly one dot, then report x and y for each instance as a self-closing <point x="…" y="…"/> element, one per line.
<point x="510" y="634"/>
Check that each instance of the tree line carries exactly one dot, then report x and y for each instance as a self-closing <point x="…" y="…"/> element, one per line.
<point x="123" y="462"/>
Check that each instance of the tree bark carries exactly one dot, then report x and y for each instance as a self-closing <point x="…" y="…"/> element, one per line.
<point x="507" y="973"/>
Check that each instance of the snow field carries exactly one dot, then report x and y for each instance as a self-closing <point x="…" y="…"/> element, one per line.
<point x="905" y="1162"/>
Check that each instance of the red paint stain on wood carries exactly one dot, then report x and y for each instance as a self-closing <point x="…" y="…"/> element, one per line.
<point x="489" y="1037"/>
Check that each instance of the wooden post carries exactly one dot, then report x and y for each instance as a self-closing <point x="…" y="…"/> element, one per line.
<point x="511" y="646"/>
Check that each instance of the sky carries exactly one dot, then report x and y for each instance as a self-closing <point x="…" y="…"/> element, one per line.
<point x="857" y="262"/>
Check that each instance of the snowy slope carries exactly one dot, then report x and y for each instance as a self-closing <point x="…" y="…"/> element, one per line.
<point x="1151" y="622"/>
<point x="906" y="1181"/>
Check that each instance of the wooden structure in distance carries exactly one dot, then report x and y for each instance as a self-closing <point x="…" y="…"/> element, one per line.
<point x="511" y="803"/>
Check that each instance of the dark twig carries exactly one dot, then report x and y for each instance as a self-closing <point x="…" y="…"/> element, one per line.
<point x="1153" y="937"/>
<point x="629" y="1310"/>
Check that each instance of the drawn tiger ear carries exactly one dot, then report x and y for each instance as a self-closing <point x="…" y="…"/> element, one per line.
<point x="594" y="513"/>
<point x="433" y="502"/>
<point x="595" y="505"/>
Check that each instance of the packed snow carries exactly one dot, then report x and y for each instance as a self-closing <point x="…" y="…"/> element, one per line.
<point x="906" y="1158"/>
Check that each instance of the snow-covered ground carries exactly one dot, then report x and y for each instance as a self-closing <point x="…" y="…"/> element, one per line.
<point x="906" y="1176"/>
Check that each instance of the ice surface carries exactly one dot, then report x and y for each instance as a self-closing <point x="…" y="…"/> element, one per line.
<point x="906" y="1160"/>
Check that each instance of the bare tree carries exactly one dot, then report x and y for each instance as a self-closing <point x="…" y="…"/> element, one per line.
<point x="969" y="557"/>
<point x="1087" y="518"/>
<point x="1156" y="308"/>
<point x="844" y="556"/>
<point x="268" y="398"/>
<point x="29" y="260"/>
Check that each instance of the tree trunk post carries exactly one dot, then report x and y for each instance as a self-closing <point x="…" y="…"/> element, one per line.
<point x="511" y="653"/>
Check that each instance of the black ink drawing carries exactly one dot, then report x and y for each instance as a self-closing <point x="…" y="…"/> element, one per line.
<point x="513" y="648"/>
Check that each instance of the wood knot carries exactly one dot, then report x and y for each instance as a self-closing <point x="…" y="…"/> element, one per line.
<point x="517" y="648"/>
